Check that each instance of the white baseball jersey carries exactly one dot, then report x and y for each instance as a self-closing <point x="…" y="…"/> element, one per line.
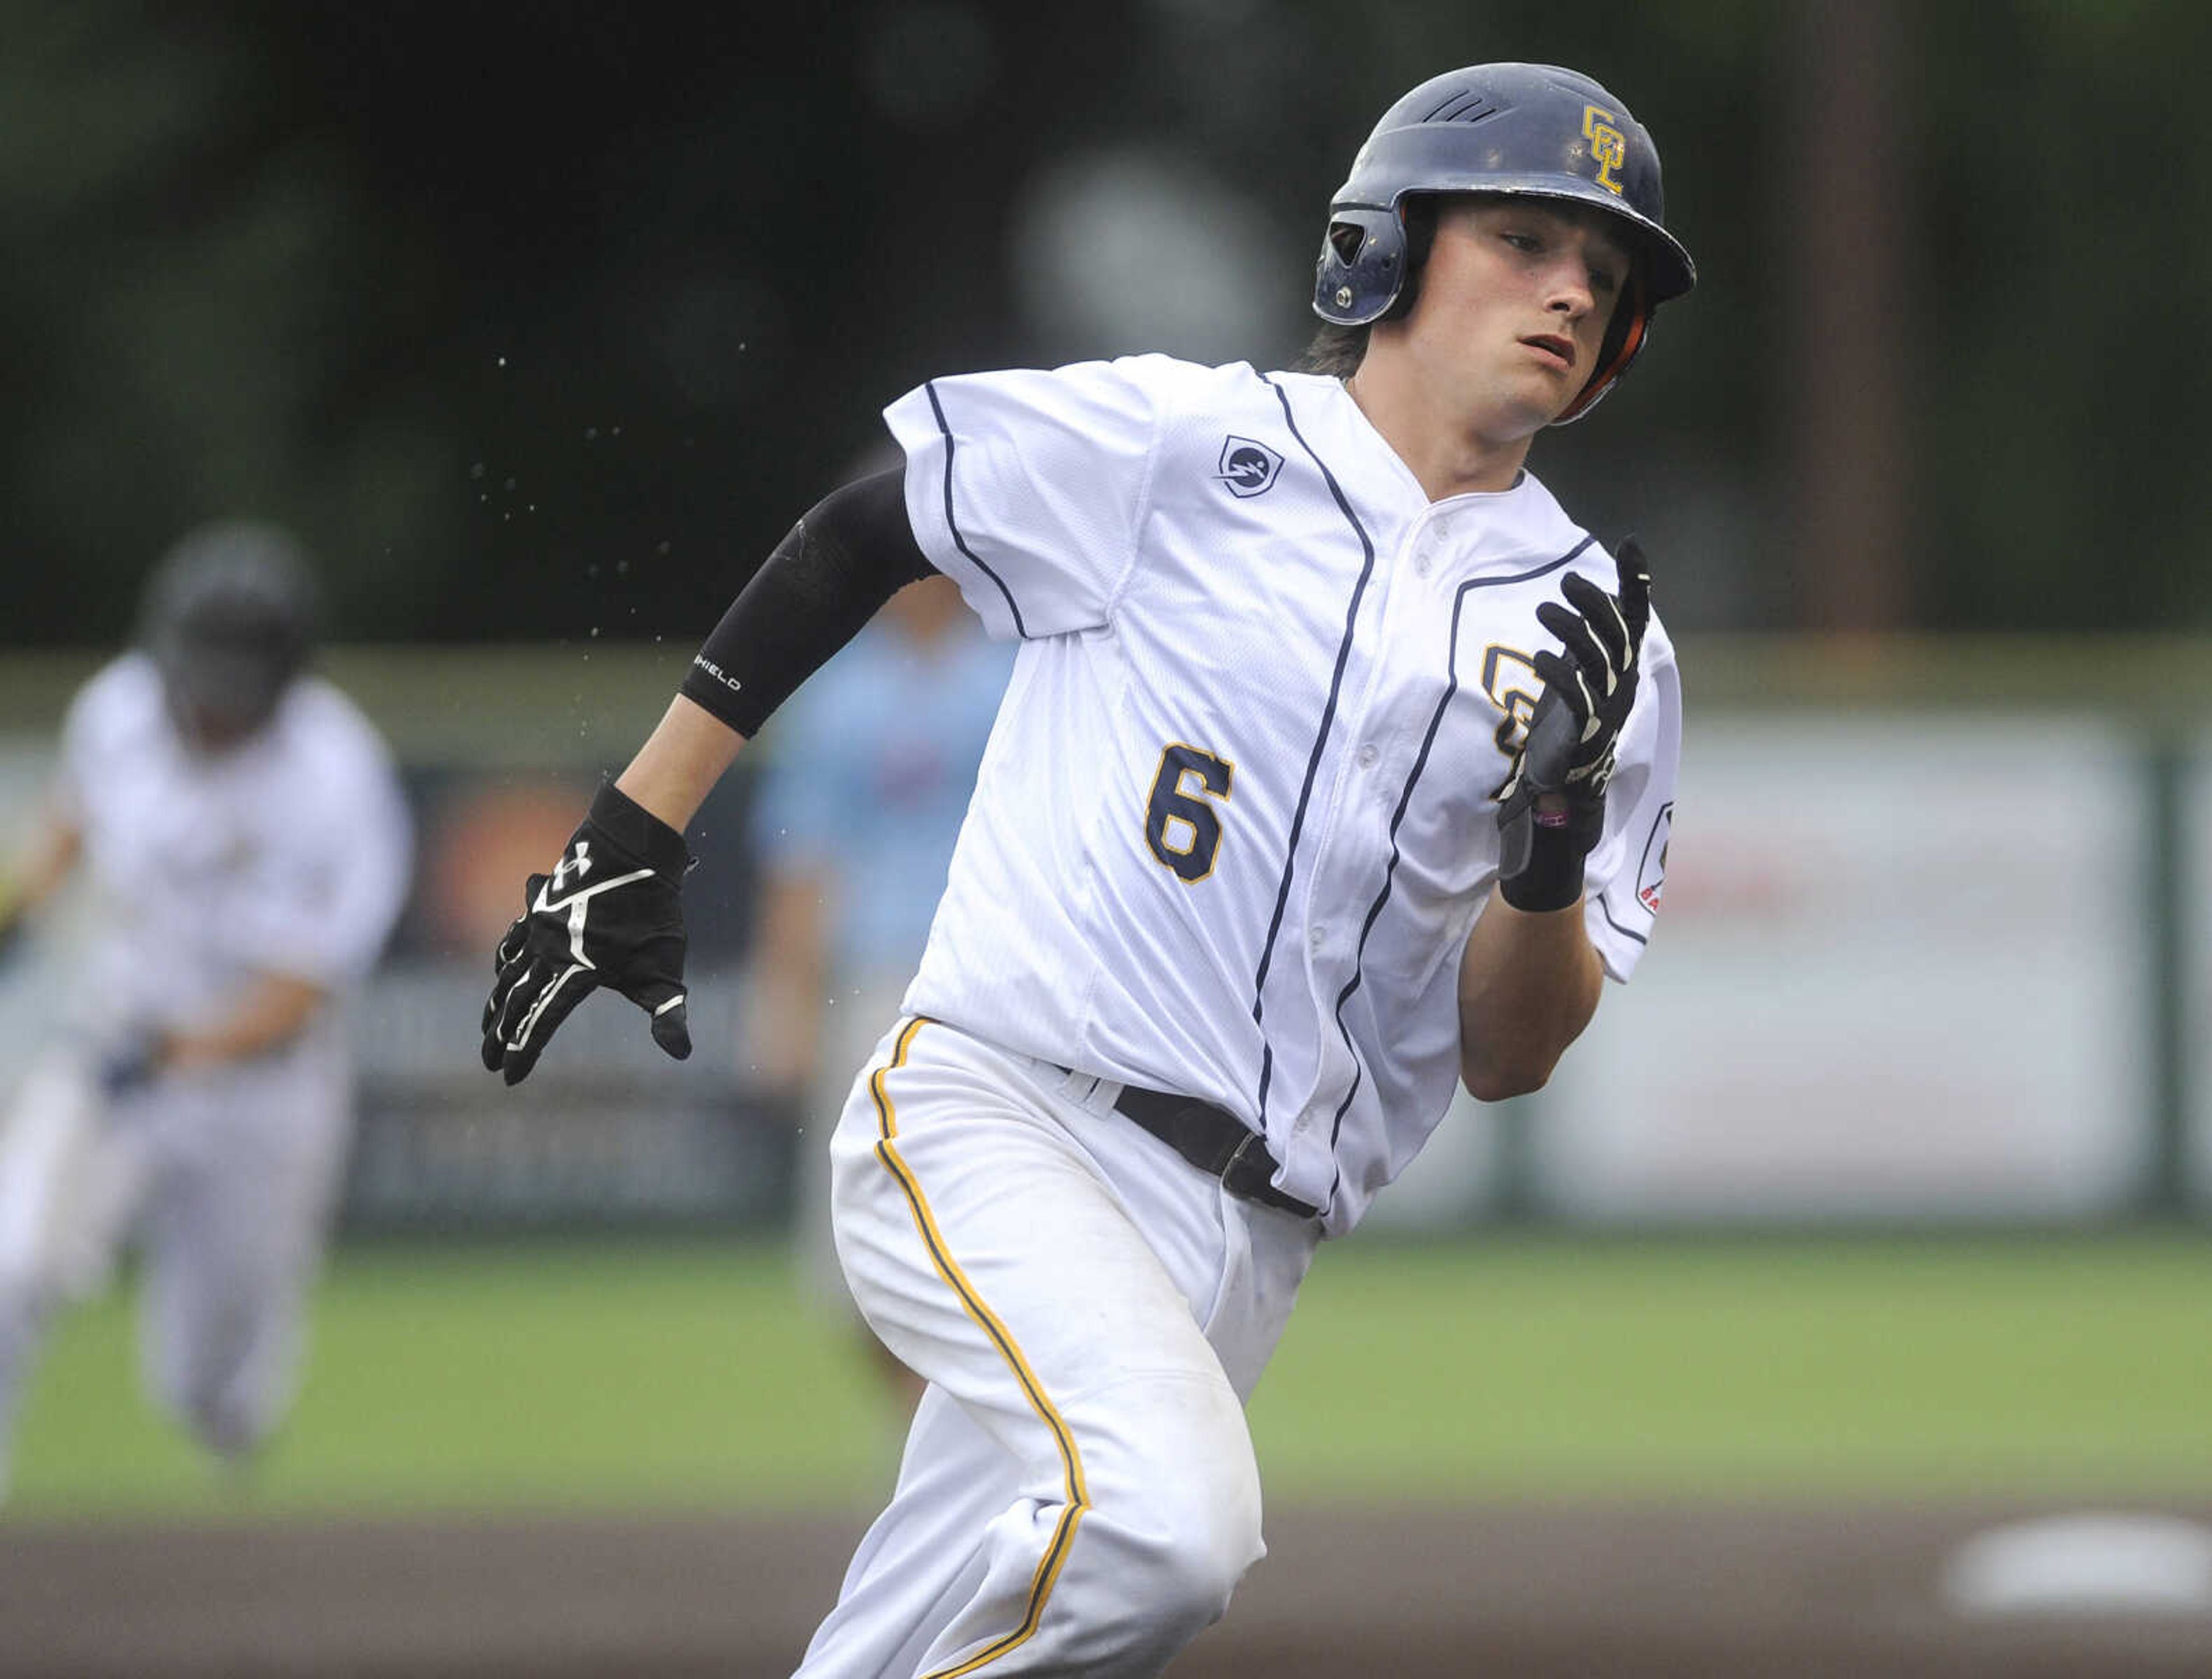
<point x="1235" y="821"/>
<point x="289" y="854"/>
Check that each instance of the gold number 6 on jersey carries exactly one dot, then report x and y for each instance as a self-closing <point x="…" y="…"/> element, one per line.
<point x="1181" y="826"/>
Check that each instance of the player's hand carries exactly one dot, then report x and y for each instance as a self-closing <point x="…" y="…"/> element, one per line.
<point x="1551" y="806"/>
<point x="607" y="915"/>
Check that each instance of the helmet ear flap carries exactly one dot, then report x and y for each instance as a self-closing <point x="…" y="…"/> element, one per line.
<point x="1362" y="265"/>
<point x="1370" y="260"/>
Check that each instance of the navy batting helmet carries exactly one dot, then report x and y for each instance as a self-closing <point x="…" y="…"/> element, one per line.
<point x="228" y="619"/>
<point x="1528" y="130"/>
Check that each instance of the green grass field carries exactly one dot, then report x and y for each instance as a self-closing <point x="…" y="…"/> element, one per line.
<point x="673" y="1374"/>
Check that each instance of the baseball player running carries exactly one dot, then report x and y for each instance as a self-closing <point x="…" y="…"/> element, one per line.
<point x="1333" y="758"/>
<point x="245" y="835"/>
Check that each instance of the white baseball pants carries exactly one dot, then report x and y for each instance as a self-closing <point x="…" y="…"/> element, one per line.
<point x="1078" y="1494"/>
<point x="225" y="1178"/>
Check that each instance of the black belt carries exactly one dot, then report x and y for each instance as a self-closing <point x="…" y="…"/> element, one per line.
<point x="1215" y="1141"/>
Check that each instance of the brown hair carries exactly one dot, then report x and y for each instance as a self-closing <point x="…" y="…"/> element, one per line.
<point x="1335" y="352"/>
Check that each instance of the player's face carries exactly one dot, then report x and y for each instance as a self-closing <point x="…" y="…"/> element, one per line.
<point x="1513" y="309"/>
<point x="209" y="731"/>
<point x="211" y="725"/>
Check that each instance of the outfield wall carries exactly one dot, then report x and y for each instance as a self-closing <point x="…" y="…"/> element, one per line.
<point x="1935" y="948"/>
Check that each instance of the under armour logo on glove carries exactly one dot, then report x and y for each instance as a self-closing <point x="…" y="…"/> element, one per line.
<point x="1551" y="806"/>
<point x="625" y="931"/>
<point x="577" y="860"/>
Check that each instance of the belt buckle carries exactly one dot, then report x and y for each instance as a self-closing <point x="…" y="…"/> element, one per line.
<point x="1237" y="1159"/>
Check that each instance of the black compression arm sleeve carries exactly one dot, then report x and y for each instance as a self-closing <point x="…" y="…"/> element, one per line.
<point x="850" y="553"/>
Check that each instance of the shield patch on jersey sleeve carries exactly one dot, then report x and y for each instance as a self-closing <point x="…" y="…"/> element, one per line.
<point x="1246" y="467"/>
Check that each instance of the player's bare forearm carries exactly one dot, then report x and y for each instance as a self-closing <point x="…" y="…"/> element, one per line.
<point x="274" y="1010"/>
<point x="1528" y="983"/>
<point x="685" y="755"/>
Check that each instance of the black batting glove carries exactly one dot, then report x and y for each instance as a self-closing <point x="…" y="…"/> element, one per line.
<point x="606" y="916"/>
<point x="1551" y="806"/>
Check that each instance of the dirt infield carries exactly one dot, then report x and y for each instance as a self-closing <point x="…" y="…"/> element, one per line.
<point x="1522" y="1592"/>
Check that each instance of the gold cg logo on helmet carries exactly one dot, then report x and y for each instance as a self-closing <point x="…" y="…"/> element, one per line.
<point x="1608" y="145"/>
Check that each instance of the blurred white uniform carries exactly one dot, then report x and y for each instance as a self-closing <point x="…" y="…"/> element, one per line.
<point x="286" y="855"/>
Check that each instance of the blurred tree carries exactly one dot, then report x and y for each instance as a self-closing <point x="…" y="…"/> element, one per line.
<point x="1844" y="230"/>
<point x="531" y="316"/>
<point x="193" y="291"/>
<point x="2065" y="235"/>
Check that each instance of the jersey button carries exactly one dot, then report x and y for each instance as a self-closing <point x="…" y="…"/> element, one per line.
<point x="1318" y="937"/>
<point x="1421" y="564"/>
<point x="1368" y="754"/>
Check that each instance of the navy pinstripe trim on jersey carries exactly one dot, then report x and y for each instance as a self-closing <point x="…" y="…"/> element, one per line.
<point x="1321" y="738"/>
<point x="1397" y="816"/>
<point x="1606" y="909"/>
<point x="953" y="525"/>
<point x="1643" y="866"/>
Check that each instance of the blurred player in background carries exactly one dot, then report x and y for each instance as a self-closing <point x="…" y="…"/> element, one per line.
<point x="242" y="831"/>
<point x="873" y="764"/>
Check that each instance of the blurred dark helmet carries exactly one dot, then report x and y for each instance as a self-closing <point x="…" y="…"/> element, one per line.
<point x="228" y="619"/>
<point x="1524" y="131"/>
